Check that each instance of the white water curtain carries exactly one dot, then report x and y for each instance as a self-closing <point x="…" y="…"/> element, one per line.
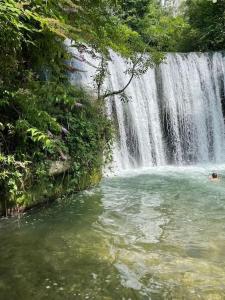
<point x="174" y="115"/>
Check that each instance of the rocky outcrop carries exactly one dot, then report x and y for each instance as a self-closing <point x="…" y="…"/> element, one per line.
<point x="59" y="167"/>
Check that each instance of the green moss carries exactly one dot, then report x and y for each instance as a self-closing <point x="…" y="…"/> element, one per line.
<point x="44" y="192"/>
<point x="90" y="180"/>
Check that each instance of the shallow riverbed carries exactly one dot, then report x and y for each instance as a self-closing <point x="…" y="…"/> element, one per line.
<point x="152" y="234"/>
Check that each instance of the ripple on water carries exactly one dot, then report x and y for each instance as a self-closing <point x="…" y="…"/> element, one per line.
<point x="156" y="235"/>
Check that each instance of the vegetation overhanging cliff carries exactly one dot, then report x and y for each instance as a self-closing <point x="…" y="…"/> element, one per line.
<point x="52" y="134"/>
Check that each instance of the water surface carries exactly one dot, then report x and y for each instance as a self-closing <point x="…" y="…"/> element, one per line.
<point x="155" y="234"/>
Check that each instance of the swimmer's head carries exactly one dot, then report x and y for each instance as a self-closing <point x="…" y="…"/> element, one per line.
<point x="214" y="175"/>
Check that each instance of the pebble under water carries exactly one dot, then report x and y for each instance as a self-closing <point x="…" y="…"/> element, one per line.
<point x="152" y="234"/>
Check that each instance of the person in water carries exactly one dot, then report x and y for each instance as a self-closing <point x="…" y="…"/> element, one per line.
<point x="214" y="177"/>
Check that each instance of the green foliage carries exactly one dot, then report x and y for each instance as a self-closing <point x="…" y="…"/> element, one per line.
<point x="158" y="28"/>
<point x="207" y="25"/>
<point x="43" y="123"/>
<point x="161" y="29"/>
<point x="133" y="11"/>
<point x="22" y="24"/>
<point x="88" y="138"/>
<point x="42" y="117"/>
<point x="32" y="34"/>
<point x="13" y="175"/>
<point x="199" y="26"/>
<point x="39" y="136"/>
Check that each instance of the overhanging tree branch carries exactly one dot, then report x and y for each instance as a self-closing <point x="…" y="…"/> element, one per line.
<point x="120" y="91"/>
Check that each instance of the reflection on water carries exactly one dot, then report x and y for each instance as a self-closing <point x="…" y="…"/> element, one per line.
<point x="155" y="235"/>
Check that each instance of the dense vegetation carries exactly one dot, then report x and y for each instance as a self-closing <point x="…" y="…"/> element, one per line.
<point x="199" y="25"/>
<point x="43" y="118"/>
<point x="206" y="20"/>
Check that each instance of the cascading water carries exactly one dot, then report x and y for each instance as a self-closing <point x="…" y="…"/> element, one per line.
<point x="174" y="115"/>
<point x="174" y="4"/>
<point x="140" y="140"/>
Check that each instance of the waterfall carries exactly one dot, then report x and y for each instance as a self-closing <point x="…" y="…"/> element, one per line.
<point x="175" y="111"/>
<point x="139" y="125"/>
<point x="173" y="5"/>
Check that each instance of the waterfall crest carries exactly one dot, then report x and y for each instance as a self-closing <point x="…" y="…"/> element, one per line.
<point x="175" y="111"/>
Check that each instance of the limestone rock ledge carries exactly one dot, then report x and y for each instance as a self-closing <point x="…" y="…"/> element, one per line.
<point x="59" y="167"/>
